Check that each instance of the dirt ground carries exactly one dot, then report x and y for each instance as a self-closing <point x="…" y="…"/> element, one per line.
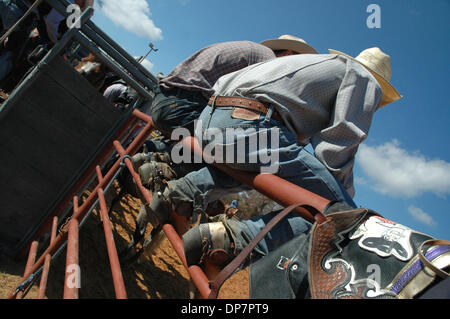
<point x="161" y="276"/>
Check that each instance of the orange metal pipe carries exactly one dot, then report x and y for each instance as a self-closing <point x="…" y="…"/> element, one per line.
<point x="71" y="292"/>
<point x="181" y="222"/>
<point x="70" y="288"/>
<point x="198" y="276"/>
<point x="144" y="191"/>
<point x="48" y="259"/>
<point x="119" y="285"/>
<point x="29" y="265"/>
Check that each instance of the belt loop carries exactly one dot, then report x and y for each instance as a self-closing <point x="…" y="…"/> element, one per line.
<point x="269" y="114"/>
<point x="213" y="107"/>
<point x="214" y="103"/>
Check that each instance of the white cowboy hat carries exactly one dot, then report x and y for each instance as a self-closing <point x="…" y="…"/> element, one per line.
<point x="379" y="64"/>
<point x="289" y="42"/>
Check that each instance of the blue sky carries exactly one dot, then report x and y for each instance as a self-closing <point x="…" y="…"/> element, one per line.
<point x="403" y="168"/>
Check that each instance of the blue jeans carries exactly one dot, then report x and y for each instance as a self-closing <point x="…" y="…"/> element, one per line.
<point x="277" y="150"/>
<point x="245" y="231"/>
<point x="10" y="13"/>
<point x="290" y="160"/>
<point x="176" y="108"/>
<point x="203" y="186"/>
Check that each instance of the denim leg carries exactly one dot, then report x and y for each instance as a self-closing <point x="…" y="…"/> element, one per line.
<point x="291" y="161"/>
<point x="245" y="231"/>
<point x="301" y="168"/>
<point x="295" y="164"/>
<point x="158" y="146"/>
<point x="203" y="186"/>
<point x="170" y="112"/>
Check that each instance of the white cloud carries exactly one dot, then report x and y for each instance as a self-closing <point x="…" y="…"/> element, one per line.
<point x="132" y="15"/>
<point x="361" y="180"/>
<point x="419" y="215"/>
<point x="397" y="172"/>
<point x="147" y="64"/>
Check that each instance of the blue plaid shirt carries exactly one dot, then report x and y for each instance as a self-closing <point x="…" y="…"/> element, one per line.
<point x="200" y="71"/>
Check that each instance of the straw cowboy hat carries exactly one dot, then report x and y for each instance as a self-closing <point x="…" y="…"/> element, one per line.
<point x="379" y="64"/>
<point x="289" y="42"/>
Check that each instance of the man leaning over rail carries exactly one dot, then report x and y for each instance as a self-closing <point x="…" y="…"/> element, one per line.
<point x="184" y="93"/>
<point x="327" y="100"/>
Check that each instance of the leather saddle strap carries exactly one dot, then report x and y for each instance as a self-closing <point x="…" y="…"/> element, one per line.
<point x="232" y="266"/>
<point x="427" y="263"/>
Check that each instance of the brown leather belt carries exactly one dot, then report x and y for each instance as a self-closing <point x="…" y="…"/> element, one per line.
<point x="250" y="105"/>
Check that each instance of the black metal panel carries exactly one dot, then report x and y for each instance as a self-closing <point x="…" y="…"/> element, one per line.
<point x="49" y="133"/>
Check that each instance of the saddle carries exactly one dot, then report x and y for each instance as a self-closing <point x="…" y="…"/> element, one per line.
<point x="349" y="254"/>
<point x="359" y="254"/>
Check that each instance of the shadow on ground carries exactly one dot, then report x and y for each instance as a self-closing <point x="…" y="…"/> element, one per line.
<point x="161" y="276"/>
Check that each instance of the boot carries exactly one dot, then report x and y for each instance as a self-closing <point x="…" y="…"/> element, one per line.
<point x="141" y="225"/>
<point x="208" y="242"/>
<point x="152" y="172"/>
<point x="151" y="243"/>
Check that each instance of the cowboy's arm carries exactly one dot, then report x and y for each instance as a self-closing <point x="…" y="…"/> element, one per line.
<point x="357" y="99"/>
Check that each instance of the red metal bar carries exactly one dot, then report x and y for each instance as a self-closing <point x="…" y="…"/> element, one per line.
<point x="119" y="285"/>
<point x="48" y="259"/>
<point x="29" y="265"/>
<point x="83" y="210"/>
<point x="181" y="222"/>
<point x="144" y="191"/>
<point x="70" y="288"/>
<point x="98" y="171"/>
<point x="116" y="271"/>
<point x="198" y="276"/>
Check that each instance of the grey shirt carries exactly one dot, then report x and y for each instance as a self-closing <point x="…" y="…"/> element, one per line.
<point x="112" y="92"/>
<point x="326" y="100"/>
